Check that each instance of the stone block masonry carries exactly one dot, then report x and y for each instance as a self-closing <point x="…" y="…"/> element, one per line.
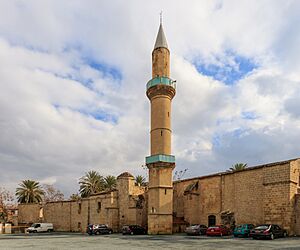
<point x="263" y="194"/>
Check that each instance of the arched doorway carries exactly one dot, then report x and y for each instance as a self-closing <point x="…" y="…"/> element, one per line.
<point x="211" y="220"/>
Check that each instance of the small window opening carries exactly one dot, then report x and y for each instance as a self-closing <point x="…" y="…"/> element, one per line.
<point x="99" y="207"/>
<point x="161" y="133"/>
<point x="168" y="114"/>
<point x="79" y="208"/>
<point x="165" y="191"/>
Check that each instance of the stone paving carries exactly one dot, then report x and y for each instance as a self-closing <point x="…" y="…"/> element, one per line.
<point x="133" y="242"/>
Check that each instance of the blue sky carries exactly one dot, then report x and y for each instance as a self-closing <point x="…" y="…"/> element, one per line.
<point x="224" y="70"/>
<point x="73" y="76"/>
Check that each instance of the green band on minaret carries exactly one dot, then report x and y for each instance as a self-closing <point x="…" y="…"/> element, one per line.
<point x="160" y="158"/>
<point x="161" y="80"/>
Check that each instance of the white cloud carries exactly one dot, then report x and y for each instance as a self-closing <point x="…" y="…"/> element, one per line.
<point x="50" y="92"/>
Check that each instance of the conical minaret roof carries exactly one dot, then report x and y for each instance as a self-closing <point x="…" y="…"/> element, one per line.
<point x="161" y="41"/>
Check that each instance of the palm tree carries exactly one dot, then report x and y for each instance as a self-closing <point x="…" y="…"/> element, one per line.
<point x="110" y="182"/>
<point x="238" y="167"/>
<point x="92" y="182"/>
<point x="140" y="180"/>
<point x="29" y="191"/>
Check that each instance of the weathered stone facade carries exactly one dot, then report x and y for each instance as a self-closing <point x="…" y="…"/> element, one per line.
<point x="126" y="205"/>
<point x="262" y="194"/>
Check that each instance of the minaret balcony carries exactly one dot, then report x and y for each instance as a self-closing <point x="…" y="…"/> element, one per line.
<point x="161" y="80"/>
<point x="160" y="158"/>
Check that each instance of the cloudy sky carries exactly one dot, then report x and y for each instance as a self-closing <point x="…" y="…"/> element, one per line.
<point x="73" y="76"/>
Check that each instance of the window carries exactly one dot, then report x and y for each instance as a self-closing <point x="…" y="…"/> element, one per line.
<point x="165" y="191"/>
<point x="79" y="208"/>
<point x="161" y="133"/>
<point x="168" y="114"/>
<point x="99" y="206"/>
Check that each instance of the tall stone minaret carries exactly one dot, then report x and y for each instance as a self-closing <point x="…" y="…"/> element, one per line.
<point x="160" y="91"/>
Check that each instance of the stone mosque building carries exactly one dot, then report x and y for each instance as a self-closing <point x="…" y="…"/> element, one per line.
<point x="267" y="193"/>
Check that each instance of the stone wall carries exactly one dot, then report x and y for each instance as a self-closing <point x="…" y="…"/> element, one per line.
<point x="114" y="208"/>
<point x="29" y="213"/>
<point x="242" y="194"/>
<point x="131" y="201"/>
<point x="197" y="204"/>
<point x="104" y="209"/>
<point x="276" y="205"/>
<point x="262" y="194"/>
<point x="76" y="215"/>
<point x="295" y="196"/>
<point x="297" y="215"/>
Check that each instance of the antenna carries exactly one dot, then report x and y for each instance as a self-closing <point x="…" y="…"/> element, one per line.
<point x="160" y="17"/>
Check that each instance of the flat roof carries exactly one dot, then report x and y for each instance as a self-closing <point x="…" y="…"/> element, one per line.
<point x="232" y="172"/>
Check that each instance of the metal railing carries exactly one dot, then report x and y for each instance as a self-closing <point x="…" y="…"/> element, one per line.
<point x="160" y="158"/>
<point x="161" y="80"/>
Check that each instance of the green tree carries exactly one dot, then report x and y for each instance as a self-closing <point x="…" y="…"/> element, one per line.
<point x="29" y="191"/>
<point x="238" y="166"/>
<point x="92" y="182"/>
<point x="140" y="180"/>
<point x="110" y="182"/>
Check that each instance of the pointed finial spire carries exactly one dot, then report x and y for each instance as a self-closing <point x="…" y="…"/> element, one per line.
<point x="161" y="40"/>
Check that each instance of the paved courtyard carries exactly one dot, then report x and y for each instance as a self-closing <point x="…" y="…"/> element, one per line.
<point x="118" y="241"/>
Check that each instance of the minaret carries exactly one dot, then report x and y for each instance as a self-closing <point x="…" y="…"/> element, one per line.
<point x="160" y="91"/>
